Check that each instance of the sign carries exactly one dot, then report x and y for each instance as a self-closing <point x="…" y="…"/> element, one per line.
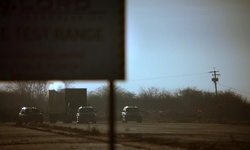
<point x="62" y="39"/>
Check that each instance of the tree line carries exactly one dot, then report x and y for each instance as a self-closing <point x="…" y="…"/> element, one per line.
<point x="158" y="105"/>
<point x="184" y="105"/>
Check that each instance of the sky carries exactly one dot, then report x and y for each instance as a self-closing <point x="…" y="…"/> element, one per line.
<point x="173" y="45"/>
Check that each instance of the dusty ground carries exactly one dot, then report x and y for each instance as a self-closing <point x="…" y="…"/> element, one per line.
<point x="24" y="138"/>
<point x="178" y="135"/>
<point x="129" y="136"/>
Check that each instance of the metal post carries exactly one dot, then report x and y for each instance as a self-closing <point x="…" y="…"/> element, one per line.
<point x="112" y="117"/>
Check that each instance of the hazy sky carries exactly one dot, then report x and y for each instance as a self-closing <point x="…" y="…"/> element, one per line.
<point x="173" y="44"/>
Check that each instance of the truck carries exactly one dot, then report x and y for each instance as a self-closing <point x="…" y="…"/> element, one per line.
<point x="63" y="104"/>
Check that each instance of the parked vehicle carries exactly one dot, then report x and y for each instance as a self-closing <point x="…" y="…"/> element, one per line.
<point x="63" y="104"/>
<point x="86" y="114"/>
<point x="131" y="113"/>
<point x="29" y="115"/>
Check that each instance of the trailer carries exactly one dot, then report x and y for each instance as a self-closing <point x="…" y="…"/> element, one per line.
<point x="63" y="104"/>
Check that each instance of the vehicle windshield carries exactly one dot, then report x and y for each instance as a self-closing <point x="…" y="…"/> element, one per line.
<point x="86" y="110"/>
<point x="32" y="111"/>
<point x="132" y="110"/>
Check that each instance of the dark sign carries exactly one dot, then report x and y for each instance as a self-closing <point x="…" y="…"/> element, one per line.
<point x="62" y="39"/>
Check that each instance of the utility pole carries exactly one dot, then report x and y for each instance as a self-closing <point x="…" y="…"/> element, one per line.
<point x="215" y="79"/>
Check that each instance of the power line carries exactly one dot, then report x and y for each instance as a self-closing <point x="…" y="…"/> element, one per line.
<point x="172" y="76"/>
<point x="234" y="88"/>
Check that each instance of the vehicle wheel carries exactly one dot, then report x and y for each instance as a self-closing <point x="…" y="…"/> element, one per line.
<point x="67" y="120"/>
<point x="79" y="122"/>
<point x="52" y="120"/>
<point x="19" y="122"/>
<point x="139" y="121"/>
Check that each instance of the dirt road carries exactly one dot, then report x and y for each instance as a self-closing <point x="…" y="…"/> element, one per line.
<point x="24" y="138"/>
<point x="150" y="136"/>
<point x="179" y="135"/>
